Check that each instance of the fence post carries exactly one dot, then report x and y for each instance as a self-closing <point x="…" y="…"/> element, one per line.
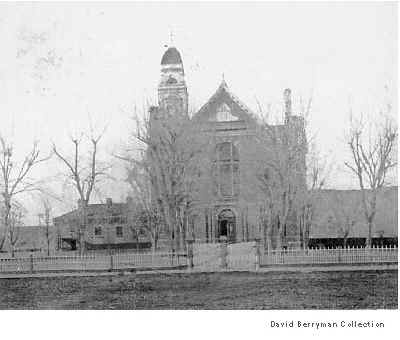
<point x="31" y="262"/>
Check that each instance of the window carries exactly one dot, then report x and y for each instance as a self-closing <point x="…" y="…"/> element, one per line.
<point x="90" y="219"/>
<point x="173" y="105"/>
<point x="98" y="231"/>
<point x="115" y="218"/>
<point x="119" y="231"/>
<point x="224" y="114"/>
<point x="225" y="178"/>
<point x="226" y="170"/>
<point x="171" y="80"/>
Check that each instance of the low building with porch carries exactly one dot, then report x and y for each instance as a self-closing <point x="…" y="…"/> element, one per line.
<point x="339" y="219"/>
<point x="107" y="227"/>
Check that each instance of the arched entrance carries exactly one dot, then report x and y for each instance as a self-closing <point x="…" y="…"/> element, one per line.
<point x="227" y="225"/>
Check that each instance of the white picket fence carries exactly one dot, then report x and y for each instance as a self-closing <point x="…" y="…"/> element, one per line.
<point x="331" y="256"/>
<point x="92" y="262"/>
<point x="243" y="256"/>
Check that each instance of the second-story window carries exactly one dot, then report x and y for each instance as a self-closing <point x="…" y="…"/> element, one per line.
<point x="119" y="231"/>
<point x="226" y="170"/>
<point x="115" y="218"/>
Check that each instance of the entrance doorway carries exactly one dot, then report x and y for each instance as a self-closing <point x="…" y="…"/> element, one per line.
<point x="227" y="225"/>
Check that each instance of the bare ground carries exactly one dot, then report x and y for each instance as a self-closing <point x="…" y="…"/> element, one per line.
<point x="328" y="290"/>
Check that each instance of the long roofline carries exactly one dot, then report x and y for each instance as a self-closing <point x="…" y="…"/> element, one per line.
<point x="90" y="207"/>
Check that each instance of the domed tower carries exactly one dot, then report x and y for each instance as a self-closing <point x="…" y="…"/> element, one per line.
<point x="172" y="90"/>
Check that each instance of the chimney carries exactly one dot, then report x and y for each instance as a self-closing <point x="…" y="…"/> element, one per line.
<point x="287" y="98"/>
<point x="108" y="202"/>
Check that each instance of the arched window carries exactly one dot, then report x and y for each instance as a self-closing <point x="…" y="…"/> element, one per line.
<point x="171" y="80"/>
<point x="173" y="105"/>
<point x="226" y="170"/>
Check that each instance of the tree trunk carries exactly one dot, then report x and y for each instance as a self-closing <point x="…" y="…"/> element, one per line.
<point x="306" y="236"/>
<point x="281" y="234"/>
<point x="265" y="233"/>
<point x="278" y="235"/>
<point x="82" y="228"/>
<point x="172" y="241"/>
<point x="2" y="241"/>
<point x="173" y="225"/>
<point x="177" y="237"/>
<point x="369" y="238"/>
<point x="48" y="239"/>
<point x="154" y="242"/>
<point x="278" y="242"/>
<point x="6" y="219"/>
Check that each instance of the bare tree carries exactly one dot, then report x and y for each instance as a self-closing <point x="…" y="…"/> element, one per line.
<point x="83" y="175"/>
<point x="16" y="216"/>
<point x="292" y="172"/>
<point x="142" y="213"/>
<point x="372" y="158"/>
<point x="318" y="171"/>
<point x="46" y="217"/>
<point x="345" y="212"/>
<point x="15" y="179"/>
<point x="168" y="147"/>
<point x="283" y="179"/>
<point x="282" y="171"/>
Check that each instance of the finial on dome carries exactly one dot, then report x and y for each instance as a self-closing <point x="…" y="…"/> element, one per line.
<point x="223" y="82"/>
<point x="171" y="37"/>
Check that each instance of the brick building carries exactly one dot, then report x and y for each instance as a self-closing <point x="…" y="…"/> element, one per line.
<point x="227" y="201"/>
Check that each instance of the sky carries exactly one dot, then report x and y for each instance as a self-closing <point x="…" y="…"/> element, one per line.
<point x="63" y="65"/>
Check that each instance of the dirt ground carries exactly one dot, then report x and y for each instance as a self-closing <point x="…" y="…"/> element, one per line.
<point x="329" y="290"/>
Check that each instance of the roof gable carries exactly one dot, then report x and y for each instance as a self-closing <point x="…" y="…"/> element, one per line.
<point x="224" y="106"/>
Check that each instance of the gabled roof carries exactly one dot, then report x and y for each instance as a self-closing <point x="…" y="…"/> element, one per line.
<point x="222" y="91"/>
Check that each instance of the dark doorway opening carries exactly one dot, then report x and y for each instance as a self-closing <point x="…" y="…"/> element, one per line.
<point x="227" y="226"/>
<point x="223" y="228"/>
